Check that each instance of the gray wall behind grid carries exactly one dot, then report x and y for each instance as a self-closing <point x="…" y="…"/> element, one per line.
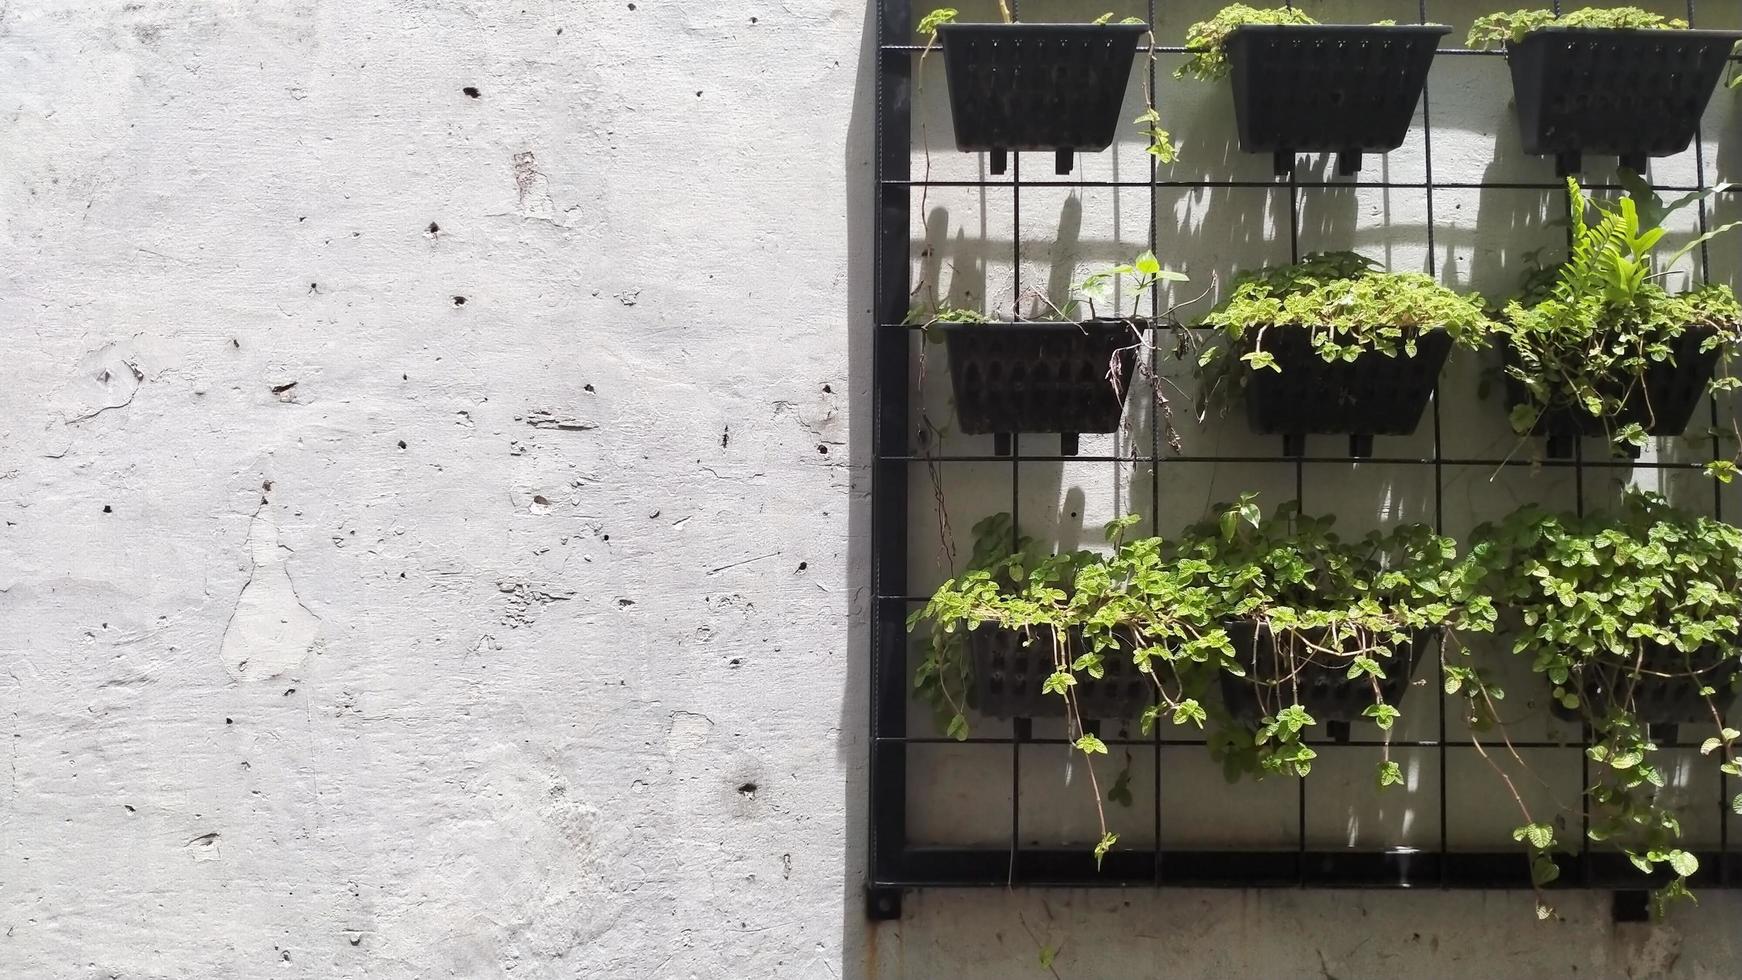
<point x="349" y="630"/>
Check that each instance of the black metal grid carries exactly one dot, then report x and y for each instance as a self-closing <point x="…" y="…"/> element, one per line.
<point x="898" y="863"/>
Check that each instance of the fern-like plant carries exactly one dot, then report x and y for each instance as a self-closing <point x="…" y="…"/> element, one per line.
<point x="1583" y="335"/>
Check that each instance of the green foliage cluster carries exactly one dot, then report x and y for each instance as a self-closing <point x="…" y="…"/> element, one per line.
<point x="1331" y="603"/>
<point x="1499" y="29"/>
<point x="1349" y="306"/>
<point x="1583" y="337"/>
<point x="1168" y="604"/>
<point x="1207" y="39"/>
<point x="1605" y="603"/>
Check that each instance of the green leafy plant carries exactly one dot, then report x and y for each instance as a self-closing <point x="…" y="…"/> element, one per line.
<point x="1011" y="584"/>
<point x="1584" y="333"/>
<point x="1207" y="40"/>
<point x="1606" y="606"/>
<point x="1168" y="607"/>
<point x="1330" y="604"/>
<point x="1348" y="305"/>
<point x="1500" y="29"/>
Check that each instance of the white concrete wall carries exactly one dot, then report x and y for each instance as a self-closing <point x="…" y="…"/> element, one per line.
<point x="352" y="631"/>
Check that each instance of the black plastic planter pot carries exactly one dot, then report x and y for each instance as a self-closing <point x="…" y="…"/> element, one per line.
<point x="1662" y="402"/>
<point x="1057" y="87"/>
<point x="1371" y="395"/>
<point x="1041" y="377"/>
<point x="1664" y="703"/>
<point x="1627" y="93"/>
<point x="1327" y="88"/>
<point x="1325" y="689"/>
<point x="1008" y="676"/>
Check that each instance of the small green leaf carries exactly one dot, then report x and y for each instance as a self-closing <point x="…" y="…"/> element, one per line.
<point x="1390" y="774"/>
<point x="930" y="23"/>
<point x="1103" y="847"/>
<point x="1684" y="863"/>
<point x="958" y="729"/>
<point x="1090" y="745"/>
<point x="1261" y="359"/>
<point x="1188" y="710"/>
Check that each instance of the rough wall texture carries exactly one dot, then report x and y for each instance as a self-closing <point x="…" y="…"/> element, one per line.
<point x="429" y="518"/>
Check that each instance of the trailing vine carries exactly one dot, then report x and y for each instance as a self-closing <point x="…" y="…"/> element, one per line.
<point x="1172" y="608"/>
<point x="1616" y="612"/>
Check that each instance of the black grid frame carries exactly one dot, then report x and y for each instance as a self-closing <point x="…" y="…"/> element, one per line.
<point x="896" y="863"/>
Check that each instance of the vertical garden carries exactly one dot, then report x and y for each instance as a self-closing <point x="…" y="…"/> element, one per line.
<point x="1302" y="450"/>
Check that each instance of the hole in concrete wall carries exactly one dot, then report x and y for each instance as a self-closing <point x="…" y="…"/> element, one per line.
<point x="471" y="90"/>
<point x="459" y="301"/>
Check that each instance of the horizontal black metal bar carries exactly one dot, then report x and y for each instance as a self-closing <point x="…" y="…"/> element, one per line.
<point x="1568" y="463"/>
<point x="929" y="867"/>
<point x="1282" y="184"/>
<point x="1323" y="743"/>
<point x="1181" y="49"/>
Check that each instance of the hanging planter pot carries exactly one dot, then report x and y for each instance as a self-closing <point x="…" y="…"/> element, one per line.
<point x="1324" y="689"/>
<point x="1371" y="395"/>
<point x="1041" y="377"/>
<point x="1327" y="88"/>
<point x="1662" y="702"/>
<point x="1628" y="93"/>
<point x="1661" y="400"/>
<point x="1056" y="87"/>
<point x="1010" y="667"/>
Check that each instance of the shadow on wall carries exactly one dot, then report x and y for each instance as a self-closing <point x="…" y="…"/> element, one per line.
<point x="858" y="161"/>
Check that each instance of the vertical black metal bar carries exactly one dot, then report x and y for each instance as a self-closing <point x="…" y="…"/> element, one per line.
<point x="1155" y="420"/>
<point x="1584" y="726"/>
<point x="1724" y="870"/>
<point x="892" y="228"/>
<point x="1300" y="501"/>
<point x="1427" y="130"/>
<point x="1016" y="484"/>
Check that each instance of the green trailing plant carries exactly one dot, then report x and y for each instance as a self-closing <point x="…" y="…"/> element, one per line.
<point x="1207" y="40"/>
<point x="1583" y="333"/>
<point x="1500" y="29"/>
<point x="1607" y="606"/>
<point x="1344" y="605"/>
<point x="1159" y="142"/>
<point x="1168" y="606"/>
<point x="1011" y="584"/>
<point x="1348" y="305"/>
